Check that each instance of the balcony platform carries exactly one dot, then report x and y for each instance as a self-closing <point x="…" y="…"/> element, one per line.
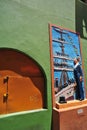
<point x="70" y="104"/>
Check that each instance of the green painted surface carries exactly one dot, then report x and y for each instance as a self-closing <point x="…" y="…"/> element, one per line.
<point x="32" y="121"/>
<point x="24" y="26"/>
<point x="81" y="27"/>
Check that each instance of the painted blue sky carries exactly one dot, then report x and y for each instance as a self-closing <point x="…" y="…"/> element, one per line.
<point x="71" y="47"/>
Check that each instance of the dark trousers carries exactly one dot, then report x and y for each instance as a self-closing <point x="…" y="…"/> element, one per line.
<point x="79" y="90"/>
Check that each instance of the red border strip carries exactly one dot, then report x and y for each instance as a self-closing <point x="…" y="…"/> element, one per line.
<point x="51" y="62"/>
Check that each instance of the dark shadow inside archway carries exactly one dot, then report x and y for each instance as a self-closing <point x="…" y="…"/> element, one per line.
<point x="22" y="82"/>
<point x="81" y="18"/>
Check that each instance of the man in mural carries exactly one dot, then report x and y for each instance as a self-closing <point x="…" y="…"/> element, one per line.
<point x="78" y="75"/>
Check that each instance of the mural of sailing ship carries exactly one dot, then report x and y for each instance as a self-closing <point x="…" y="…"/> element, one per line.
<point x="66" y="47"/>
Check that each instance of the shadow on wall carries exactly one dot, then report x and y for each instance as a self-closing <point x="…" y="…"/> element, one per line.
<point x="81" y="18"/>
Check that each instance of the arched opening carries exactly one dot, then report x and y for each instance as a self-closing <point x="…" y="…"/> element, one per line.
<point x="22" y="83"/>
<point x="85" y="1"/>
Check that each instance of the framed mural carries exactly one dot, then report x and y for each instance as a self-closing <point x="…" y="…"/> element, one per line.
<point x="64" y="47"/>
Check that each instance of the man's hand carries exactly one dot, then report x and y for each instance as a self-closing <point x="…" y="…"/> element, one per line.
<point x="81" y="78"/>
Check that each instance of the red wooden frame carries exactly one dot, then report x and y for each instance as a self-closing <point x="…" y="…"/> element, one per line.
<point x="51" y="59"/>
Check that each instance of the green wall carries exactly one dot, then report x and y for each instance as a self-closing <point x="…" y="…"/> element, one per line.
<point x="24" y="26"/>
<point x="81" y="27"/>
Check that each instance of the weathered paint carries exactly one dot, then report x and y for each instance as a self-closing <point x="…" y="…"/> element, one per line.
<point x="24" y="26"/>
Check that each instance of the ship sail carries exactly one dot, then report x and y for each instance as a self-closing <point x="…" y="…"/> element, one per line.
<point x="61" y="64"/>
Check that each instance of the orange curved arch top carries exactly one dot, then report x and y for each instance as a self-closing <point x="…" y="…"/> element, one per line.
<point x="22" y="82"/>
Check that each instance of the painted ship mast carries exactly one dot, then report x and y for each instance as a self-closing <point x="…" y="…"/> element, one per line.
<point x="63" y="66"/>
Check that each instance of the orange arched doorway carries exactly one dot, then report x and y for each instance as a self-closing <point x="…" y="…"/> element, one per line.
<point x="22" y="83"/>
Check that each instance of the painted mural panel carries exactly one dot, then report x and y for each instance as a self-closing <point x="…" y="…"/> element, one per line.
<point x="65" y="47"/>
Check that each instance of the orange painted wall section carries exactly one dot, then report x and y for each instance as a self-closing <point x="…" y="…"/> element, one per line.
<point x="22" y="83"/>
<point x="71" y="117"/>
<point x="2" y="92"/>
<point x="16" y="63"/>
